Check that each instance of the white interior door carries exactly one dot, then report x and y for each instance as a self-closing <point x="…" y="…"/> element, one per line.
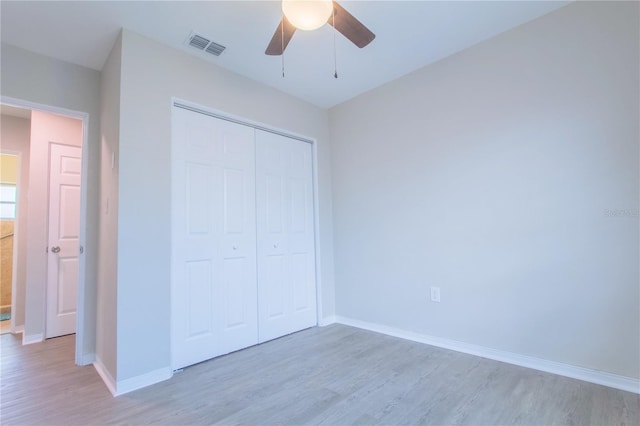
<point x="286" y="247"/>
<point x="214" y="293"/>
<point x="63" y="250"/>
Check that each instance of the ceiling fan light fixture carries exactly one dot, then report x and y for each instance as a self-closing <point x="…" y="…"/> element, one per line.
<point x="307" y="14"/>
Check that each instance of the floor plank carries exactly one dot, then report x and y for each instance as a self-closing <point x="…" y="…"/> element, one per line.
<point x="335" y="375"/>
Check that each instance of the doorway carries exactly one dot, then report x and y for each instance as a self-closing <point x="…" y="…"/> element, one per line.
<point x="55" y="152"/>
<point x="15" y="141"/>
<point x="9" y="166"/>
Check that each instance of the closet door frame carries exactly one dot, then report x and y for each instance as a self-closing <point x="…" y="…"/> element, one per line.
<point x="201" y="109"/>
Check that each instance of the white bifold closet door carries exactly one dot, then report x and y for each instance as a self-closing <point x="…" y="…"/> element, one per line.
<point x="243" y="251"/>
<point x="286" y="252"/>
<point x="214" y="291"/>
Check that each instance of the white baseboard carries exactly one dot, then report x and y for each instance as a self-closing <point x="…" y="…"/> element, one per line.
<point x="28" y="339"/>
<point x="87" y="359"/>
<point x="327" y="321"/>
<point x="17" y="329"/>
<point x="108" y="380"/>
<point x="147" y="379"/>
<point x="624" y="383"/>
<point x="118" y="388"/>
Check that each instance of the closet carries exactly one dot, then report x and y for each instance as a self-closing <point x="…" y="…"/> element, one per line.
<point x="243" y="249"/>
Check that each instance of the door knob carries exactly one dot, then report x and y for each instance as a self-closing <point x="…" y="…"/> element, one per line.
<point x="55" y="249"/>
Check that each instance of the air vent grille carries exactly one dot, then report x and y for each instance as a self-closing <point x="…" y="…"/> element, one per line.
<point x="199" y="42"/>
<point x="215" y="48"/>
<point x="205" y="44"/>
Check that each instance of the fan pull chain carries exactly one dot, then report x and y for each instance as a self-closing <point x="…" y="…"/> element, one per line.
<point x="282" y="42"/>
<point x="335" y="55"/>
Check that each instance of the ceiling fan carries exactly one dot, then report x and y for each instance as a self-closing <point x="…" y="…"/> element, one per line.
<point x="312" y="14"/>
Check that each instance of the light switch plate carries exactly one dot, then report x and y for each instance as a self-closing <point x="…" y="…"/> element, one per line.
<point x="435" y="294"/>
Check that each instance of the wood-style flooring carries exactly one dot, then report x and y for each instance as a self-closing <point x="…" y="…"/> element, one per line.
<point x="335" y="375"/>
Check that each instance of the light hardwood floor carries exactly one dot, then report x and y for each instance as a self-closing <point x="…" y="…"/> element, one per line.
<point x="335" y="375"/>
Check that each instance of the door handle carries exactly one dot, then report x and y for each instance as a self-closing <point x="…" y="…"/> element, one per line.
<point x="55" y="249"/>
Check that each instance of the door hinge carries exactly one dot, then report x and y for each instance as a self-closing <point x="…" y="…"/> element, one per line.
<point x="81" y="249"/>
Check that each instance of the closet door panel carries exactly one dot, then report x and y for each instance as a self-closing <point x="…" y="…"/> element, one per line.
<point x="214" y="292"/>
<point x="273" y="287"/>
<point x="301" y="235"/>
<point x="286" y="247"/>
<point x="199" y="296"/>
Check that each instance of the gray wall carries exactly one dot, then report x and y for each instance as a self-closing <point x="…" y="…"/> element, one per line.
<point x="151" y="74"/>
<point x="106" y="332"/>
<point x="492" y="174"/>
<point x="39" y="79"/>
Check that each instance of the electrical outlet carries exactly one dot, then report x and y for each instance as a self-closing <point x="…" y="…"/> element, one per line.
<point x="435" y="294"/>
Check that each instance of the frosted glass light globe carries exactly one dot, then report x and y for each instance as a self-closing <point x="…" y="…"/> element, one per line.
<point x="307" y="14"/>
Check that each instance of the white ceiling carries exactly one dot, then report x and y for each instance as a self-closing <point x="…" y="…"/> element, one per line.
<point x="409" y="35"/>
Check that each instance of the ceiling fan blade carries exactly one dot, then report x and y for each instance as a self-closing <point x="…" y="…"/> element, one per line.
<point x="350" y="27"/>
<point x="281" y="38"/>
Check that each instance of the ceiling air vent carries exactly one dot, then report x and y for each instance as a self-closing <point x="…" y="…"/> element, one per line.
<point x="205" y="44"/>
<point x="215" y="48"/>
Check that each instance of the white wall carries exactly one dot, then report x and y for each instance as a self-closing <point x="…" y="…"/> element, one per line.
<point x="45" y="128"/>
<point x="14" y="139"/>
<point x="151" y="75"/>
<point x="35" y="78"/>
<point x="106" y="330"/>
<point x="489" y="174"/>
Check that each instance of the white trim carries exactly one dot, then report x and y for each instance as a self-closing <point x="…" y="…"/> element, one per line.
<point x="212" y="112"/>
<point x="143" y="380"/>
<point x="32" y="338"/>
<point x="331" y="319"/>
<point x="109" y="381"/>
<point x="118" y="388"/>
<point x="84" y="117"/>
<point x="16" y="242"/>
<point x="88" y="359"/>
<point x="81" y="312"/>
<point x="17" y="330"/>
<point x="316" y="231"/>
<point x="20" y="103"/>
<point x="624" y="383"/>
